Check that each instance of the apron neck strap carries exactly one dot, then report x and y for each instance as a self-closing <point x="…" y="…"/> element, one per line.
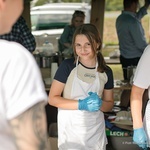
<point x="95" y="66"/>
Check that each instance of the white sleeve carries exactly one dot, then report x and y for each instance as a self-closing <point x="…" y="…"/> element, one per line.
<point x="23" y="85"/>
<point x="142" y="74"/>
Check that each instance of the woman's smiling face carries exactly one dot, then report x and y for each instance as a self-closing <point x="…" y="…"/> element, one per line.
<point x="83" y="47"/>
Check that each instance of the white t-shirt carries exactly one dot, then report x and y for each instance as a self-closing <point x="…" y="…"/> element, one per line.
<point x="21" y="87"/>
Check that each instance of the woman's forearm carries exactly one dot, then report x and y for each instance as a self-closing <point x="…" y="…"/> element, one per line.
<point x="63" y="103"/>
<point x="136" y="106"/>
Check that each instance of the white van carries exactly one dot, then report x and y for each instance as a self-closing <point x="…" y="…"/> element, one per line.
<point x="49" y="20"/>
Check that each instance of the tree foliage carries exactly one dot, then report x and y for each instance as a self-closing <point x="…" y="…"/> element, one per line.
<point x="113" y="5"/>
<point x="41" y="2"/>
<point x="110" y="5"/>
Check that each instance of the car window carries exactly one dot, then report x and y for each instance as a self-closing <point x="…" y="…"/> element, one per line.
<point x="49" y="20"/>
<point x="45" y="21"/>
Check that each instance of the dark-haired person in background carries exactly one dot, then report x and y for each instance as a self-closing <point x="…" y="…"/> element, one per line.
<point x="131" y="36"/>
<point x="65" y="41"/>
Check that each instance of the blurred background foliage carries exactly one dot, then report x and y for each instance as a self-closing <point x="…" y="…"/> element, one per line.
<point x="110" y="5"/>
<point x="113" y="8"/>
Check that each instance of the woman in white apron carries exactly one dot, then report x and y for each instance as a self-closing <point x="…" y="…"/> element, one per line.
<point x="141" y="82"/>
<point x="82" y="90"/>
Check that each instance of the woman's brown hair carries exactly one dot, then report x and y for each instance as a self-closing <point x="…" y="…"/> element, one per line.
<point x="92" y="34"/>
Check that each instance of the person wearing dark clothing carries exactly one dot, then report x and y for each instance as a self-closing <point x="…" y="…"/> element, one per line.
<point x="131" y="36"/>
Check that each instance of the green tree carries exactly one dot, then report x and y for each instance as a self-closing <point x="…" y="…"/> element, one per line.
<point x="41" y="2"/>
<point x="72" y="1"/>
<point x="113" y="5"/>
<point x="110" y="5"/>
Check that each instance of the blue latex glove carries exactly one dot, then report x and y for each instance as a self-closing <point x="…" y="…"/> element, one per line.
<point x="140" y="138"/>
<point x="91" y="103"/>
<point x="96" y="98"/>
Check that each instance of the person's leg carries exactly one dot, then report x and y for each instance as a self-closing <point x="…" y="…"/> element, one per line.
<point x="135" y="61"/>
<point x="125" y="64"/>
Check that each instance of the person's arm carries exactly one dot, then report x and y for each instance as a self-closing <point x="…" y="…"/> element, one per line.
<point x="108" y="100"/>
<point x="136" y="106"/>
<point x="55" y="98"/>
<point x="64" y="37"/>
<point x="139" y="134"/>
<point x="147" y="3"/>
<point x="29" y="129"/>
<point x="91" y="103"/>
<point x="141" y="13"/>
<point x="143" y="10"/>
<point x="107" y="97"/>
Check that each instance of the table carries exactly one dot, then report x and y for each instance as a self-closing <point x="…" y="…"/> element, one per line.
<point x="122" y="85"/>
<point x="109" y="60"/>
<point x="122" y="91"/>
<point x="125" y="90"/>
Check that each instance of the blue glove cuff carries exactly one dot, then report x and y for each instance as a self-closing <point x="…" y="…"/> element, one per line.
<point x="138" y="129"/>
<point x="81" y="106"/>
<point x="140" y="138"/>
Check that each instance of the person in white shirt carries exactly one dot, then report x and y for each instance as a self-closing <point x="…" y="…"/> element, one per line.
<point x="22" y="93"/>
<point x="141" y="82"/>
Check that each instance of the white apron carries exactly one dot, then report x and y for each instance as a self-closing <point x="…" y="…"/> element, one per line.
<point x="147" y="121"/>
<point x="82" y="130"/>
